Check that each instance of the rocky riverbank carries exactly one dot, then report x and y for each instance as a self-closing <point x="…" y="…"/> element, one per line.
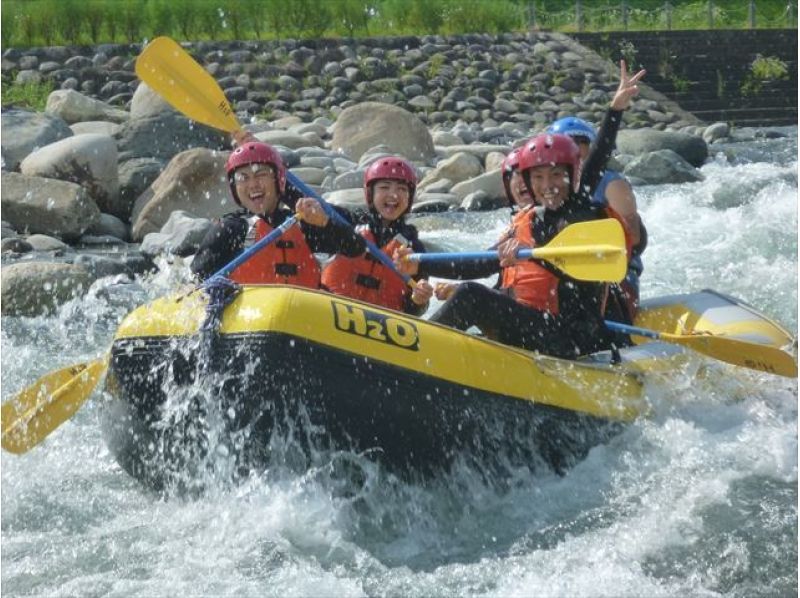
<point x="86" y="182"/>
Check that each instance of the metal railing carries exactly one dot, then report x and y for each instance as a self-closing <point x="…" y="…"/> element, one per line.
<point x="626" y="16"/>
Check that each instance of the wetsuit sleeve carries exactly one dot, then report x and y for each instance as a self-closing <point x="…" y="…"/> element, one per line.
<point x="460" y="270"/>
<point x="595" y="164"/>
<point x="222" y="243"/>
<point x="291" y="195"/>
<point x="335" y="237"/>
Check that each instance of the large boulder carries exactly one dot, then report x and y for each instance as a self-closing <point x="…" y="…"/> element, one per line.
<point x="74" y="107"/>
<point x="641" y="141"/>
<point x="24" y="132"/>
<point x="181" y="235"/>
<point x="147" y="103"/>
<point x="287" y="139"/>
<point x="368" y="124"/>
<point x="35" y="288"/>
<point x="490" y="182"/>
<point x="135" y="176"/>
<point x="193" y="181"/>
<point x="165" y="135"/>
<point x="458" y="167"/>
<point x="89" y="160"/>
<point x="662" y="167"/>
<point x="48" y="206"/>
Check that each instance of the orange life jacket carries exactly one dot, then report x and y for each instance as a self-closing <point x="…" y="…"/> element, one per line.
<point x="288" y="260"/>
<point x="365" y="278"/>
<point x="532" y="284"/>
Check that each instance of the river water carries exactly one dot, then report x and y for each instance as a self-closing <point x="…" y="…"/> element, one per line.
<point x="698" y="500"/>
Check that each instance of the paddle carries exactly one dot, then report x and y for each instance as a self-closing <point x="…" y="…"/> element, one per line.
<point x="755" y="356"/>
<point x="37" y="410"/>
<point x="174" y="75"/>
<point x="593" y="250"/>
<point x="33" y="413"/>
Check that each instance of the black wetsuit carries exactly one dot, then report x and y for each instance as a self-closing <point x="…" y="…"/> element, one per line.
<point x="578" y="328"/>
<point x="226" y="239"/>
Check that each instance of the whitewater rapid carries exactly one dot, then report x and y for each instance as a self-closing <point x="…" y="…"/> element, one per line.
<point x="699" y="499"/>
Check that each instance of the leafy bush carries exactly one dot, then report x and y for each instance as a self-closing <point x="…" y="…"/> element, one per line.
<point x="763" y="68"/>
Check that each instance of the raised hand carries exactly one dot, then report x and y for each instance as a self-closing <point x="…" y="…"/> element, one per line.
<point x="627" y="89"/>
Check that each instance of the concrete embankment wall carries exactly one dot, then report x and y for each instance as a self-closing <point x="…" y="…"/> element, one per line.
<point x="709" y="73"/>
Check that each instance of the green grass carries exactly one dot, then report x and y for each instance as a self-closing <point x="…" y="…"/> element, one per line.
<point x="28" y="95"/>
<point x="77" y="22"/>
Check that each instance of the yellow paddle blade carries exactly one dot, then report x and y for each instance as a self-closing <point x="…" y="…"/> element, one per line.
<point x="174" y="75"/>
<point x="36" y="411"/>
<point x="763" y="358"/>
<point x="593" y="250"/>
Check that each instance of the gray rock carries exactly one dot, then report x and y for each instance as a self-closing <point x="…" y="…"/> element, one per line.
<point x="349" y="180"/>
<point x="109" y="225"/>
<point x="350" y="199"/>
<point x="181" y="235"/>
<point x="490" y="182"/>
<point x="434" y="203"/>
<point x="97" y="127"/>
<point x="15" y="245"/>
<point x="458" y="167"/>
<point x="287" y="139"/>
<point x="640" y="141"/>
<point x="480" y="200"/>
<point x="47" y="243"/>
<point x="48" y="206"/>
<point x="89" y="160"/>
<point x="135" y="176"/>
<point x="363" y="126"/>
<point x="164" y="136"/>
<point x="36" y="288"/>
<point x="193" y="181"/>
<point x="439" y="186"/>
<point x="662" y="166"/>
<point x="74" y="107"/>
<point x="99" y="266"/>
<point x="309" y="175"/>
<point x="716" y="131"/>
<point x="147" y="103"/>
<point x="24" y="132"/>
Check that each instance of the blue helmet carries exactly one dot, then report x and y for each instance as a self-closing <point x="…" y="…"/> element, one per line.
<point x="574" y="127"/>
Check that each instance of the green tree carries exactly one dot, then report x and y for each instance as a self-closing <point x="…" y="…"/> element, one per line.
<point x="70" y="17"/>
<point x="131" y="20"/>
<point x="276" y="17"/>
<point x="185" y="12"/>
<point x="256" y="17"/>
<point x="234" y="11"/>
<point x="426" y="15"/>
<point x="161" y="17"/>
<point x="95" y="17"/>
<point x="352" y="15"/>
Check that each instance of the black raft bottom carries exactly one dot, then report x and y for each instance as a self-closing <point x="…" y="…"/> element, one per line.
<point x="172" y="415"/>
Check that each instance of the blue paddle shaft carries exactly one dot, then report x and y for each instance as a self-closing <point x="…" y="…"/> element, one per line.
<point x="626" y="329"/>
<point x="467" y="256"/>
<point x="373" y="249"/>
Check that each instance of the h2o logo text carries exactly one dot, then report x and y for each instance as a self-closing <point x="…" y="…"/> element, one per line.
<point x="375" y="326"/>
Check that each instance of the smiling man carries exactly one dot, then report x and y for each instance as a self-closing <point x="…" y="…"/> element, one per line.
<point x="257" y="179"/>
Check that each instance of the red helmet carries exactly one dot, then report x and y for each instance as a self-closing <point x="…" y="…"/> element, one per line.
<point x="510" y="164"/>
<point x="548" y="150"/>
<point x="390" y="168"/>
<point x="255" y="152"/>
